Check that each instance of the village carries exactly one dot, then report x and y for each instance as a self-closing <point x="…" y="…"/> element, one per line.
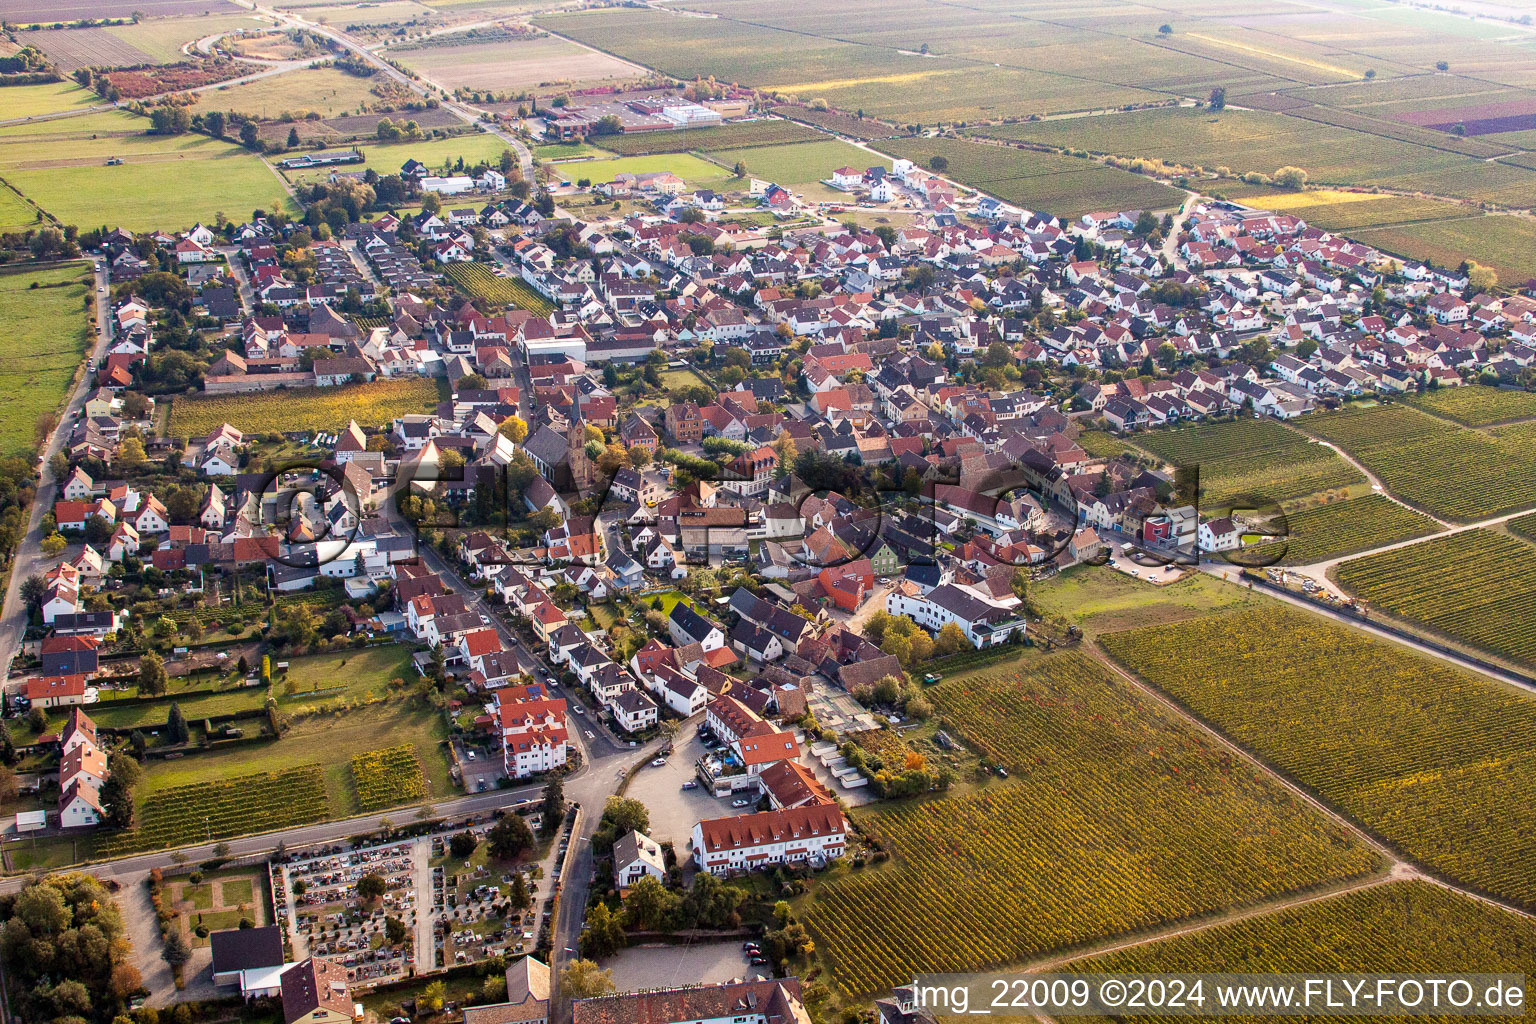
<point x="689" y="509"/>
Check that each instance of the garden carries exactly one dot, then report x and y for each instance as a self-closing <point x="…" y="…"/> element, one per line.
<point x="477" y="280"/>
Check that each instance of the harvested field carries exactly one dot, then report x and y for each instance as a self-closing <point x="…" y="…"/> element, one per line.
<point x="767" y="132"/>
<point x="512" y="64"/>
<point x="328" y="92"/>
<point x="50" y="98"/>
<point x="22" y="12"/>
<point x="74" y="48"/>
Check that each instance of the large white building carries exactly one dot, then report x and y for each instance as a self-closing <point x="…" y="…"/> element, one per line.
<point x="984" y="624"/>
<point x="816" y="832"/>
<point x="534" y="732"/>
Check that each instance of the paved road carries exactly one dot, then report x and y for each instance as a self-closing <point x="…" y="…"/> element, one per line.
<point x="30" y="559"/>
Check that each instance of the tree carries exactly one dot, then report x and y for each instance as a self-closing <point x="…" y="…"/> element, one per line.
<point x="248" y="135"/>
<point x="293" y="137"/>
<point x="648" y="905"/>
<point x="37" y="720"/>
<point x="621" y="815"/>
<point x="552" y="810"/>
<point x="471" y="382"/>
<point x="1441" y="65"/>
<point x="432" y="203"/>
<point x="395" y="931"/>
<point x="32" y="589"/>
<point x="939" y="163"/>
<point x="1481" y="278"/>
<point x="130" y="454"/>
<point x="1219" y="98"/>
<point x="213" y="123"/>
<point x="432" y="996"/>
<point x="1165" y="29"/>
<point x="739" y="170"/>
<point x="176" y="951"/>
<point x="54" y="544"/>
<point x="1290" y="177"/>
<point x="514" y="428"/>
<point x="510" y="838"/>
<point x="176" y="725"/>
<point x="952" y="640"/>
<point x="371" y="887"/>
<point x="583" y="979"/>
<point x="462" y="844"/>
<point x="603" y="934"/>
<point x="153" y="680"/>
<point x="116" y="800"/>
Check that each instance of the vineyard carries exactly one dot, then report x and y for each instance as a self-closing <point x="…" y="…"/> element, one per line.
<point x="1525" y="526"/>
<point x="1401" y="928"/>
<point x="303" y="409"/>
<point x="769" y="132"/>
<point x="1345" y="527"/>
<point x="1478" y="586"/>
<point x="1474" y="406"/>
<point x="387" y="777"/>
<point x="226" y="807"/>
<point x="1250" y="457"/>
<point x="477" y="281"/>
<point x="1451" y="471"/>
<point x="1437" y="762"/>
<point x="1119" y="816"/>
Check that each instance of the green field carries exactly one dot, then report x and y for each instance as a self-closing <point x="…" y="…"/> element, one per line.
<point x="476" y="280"/>
<point x="1345" y="527"/>
<point x="741" y="135"/>
<point x="1451" y="471"/>
<point x="166" y="182"/>
<point x="50" y="98"/>
<point x="47" y="331"/>
<point x="317" y="681"/>
<point x="802" y="163"/>
<point x="1255" y="140"/>
<point x="162" y="38"/>
<point x="1402" y="927"/>
<point x="1423" y="754"/>
<point x="327" y="91"/>
<point x="1477" y="587"/>
<point x="1119" y="816"/>
<point x="1475" y="406"/>
<point x="572" y="151"/>
<point x="302" y="408"/>
<point x="16" y="214"/>
<point x="1501" y="241"/>
<point x="697" y="172"/>
<point x="1061" y="185"/>
<point x="1099" y="598"/>
<point x="437" y="154"/>
<point x="1250" y="457"/>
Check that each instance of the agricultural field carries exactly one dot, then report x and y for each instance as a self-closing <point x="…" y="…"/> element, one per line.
<point x="572" y="151"/>
<point x="1504" y="242"/>
<point x="1410" y="927"/>
<point x="1099" y="598"/>
<point x="1344" y="527"/>
<point x="151" y="41"/>
<point x="329" y="92"/>
<point x="218" y="808"/>
<point x="166" y="182"/>
<point x="387" y="777"/>
<point x="50" y="98"/>
<point x="1450" y="471"/>
<point x="302" y="408"/>
<point x="27" y="12"/>
<point x="802" y="163"/>
<point x="386" y="157"/>
<point x="851" y="125"/>
<point x="512" y="64"/>
<point x="1060" y="185"/>
<point x="1250" y="457"/>
<point x="16" y="214"/>
<point x="1477" y="587"/>
<point x="1365" y="209"/>
<point x="1421" y="753"/>
<point x="321" y="682"/>
<point x="1120" y="817"/>
<point x="48" y="330"/>
<point x="478" y="281"/>
<point x="740" y="135"/>
<point x="696" y="171"/>
<point x="1524" y="526"/>
<point x="1476" y="406"/>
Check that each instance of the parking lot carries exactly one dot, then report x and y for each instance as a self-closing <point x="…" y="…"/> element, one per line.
<point x="674" y="810"/>
<point x="644" y="967"/>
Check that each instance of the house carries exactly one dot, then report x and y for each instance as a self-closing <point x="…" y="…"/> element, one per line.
<point x="687" y="626"/>
<point x="635" y="856"/>
<point x="534" y="734"/>
<point x="1220" y="535"/>
<point x="56" y="691"/>
<point x="79" y="806"/>
<point x="902" y="1008"/>
<point x="68" y="655"/>
<point x="984" y="624"/>
<point x="239" y="952"/>
<point x="775" y="1001"/>
<point x="315" y="991"/>
<point x="527" y="1002"/>
<point x="750" y="842"/>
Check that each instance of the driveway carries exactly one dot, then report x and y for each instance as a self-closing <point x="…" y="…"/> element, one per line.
<point x="675" y="810"/>
<point x="643" y="967"/>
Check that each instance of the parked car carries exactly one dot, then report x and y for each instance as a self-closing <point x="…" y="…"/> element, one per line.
<point x="741" y="803"/>
<point x="579" y="709"/>
<point x="691" y="784"/>
<point x="659" y="762"/>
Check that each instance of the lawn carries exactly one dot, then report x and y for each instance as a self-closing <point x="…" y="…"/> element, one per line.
<point x="50" y="98"/>
<point x="1100" y="598"/>
<point x="1061" y="185"/>
<point x="154" y="714"/>
<point x="327" y="91"/>
<point x="352" y="676"/>
<point x="236" y="892"/>
<point x="1120" y="816"/>
<point x="1423" y="754"/>
<point x="800" y="163"/>
<point x="303" y="408"/>
<point x="697" y="172"/>
<point x="572" y="151"/>
<point x="16" y="214"/>
<point x="47" y="333"/>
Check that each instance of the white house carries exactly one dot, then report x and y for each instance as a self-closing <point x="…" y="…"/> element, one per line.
<point x="636" y="856"/>
<point x="1220" y="535"/>
<point x="984" y="624"/>
<point x="750" y="842"/>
